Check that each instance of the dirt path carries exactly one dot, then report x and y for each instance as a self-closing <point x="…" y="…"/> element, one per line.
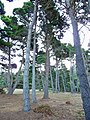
<point x="61" y="106"/>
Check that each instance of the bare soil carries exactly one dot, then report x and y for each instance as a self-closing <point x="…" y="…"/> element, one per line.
<point x="60" y="106"/>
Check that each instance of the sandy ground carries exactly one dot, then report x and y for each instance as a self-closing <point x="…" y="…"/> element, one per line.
<point x="60" y="106"/>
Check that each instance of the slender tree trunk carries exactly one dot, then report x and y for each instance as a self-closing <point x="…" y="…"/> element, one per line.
<point x="64" y="89"/>
<point x="47" y="69"/>
<point x="77" y="85"/>
<point x="42" y="77"/>
<point x="52" y="84"/>
<point x="87" y="65"/>
<point x="72" y="84"/>
<point x="63" y="81"/>
<point x="13" y="86"/>
<point x="9" y="66"/>
<point x="81" y="71"/>
<point x="57" y="77"/>
<point x="26" y="94"/>
<point x="43" y="84"/>
<point x="38" y="81"/>
<point x="63" y="77"/>
<point x="34" y="100"/>
<point x="58" y="83"/>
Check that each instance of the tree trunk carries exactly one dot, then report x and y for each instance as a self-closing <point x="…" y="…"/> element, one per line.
<point x="77" y="85"/>
<point x="42" y="77"/>
<point x="81" y="72"/>
<point x="34" y="100"/>
<point x="72" y="84"/>
<point x="52" y="84"/>
<point x="58" y="83"/>
<point x="46" y="70"/>
<point x="13" y="86"/>
<point x="9" y="66"/>
<point x="63" y="76"/>
<point x="57" y="77"/>
<point x="87" y="65"/>
<point x="26" y="94"/>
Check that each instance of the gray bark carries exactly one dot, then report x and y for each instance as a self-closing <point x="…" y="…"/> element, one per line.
<point x="72" y="84"/>
<point x="34" y="100"/>
<point x="52" y="84"/>
<point x="8" y="77"/>
<point x="81" y="71"/>
<point x="46" y="69"/>
<point x="13" y="86"/>
<point x="57" y="77"/>
<point x="42" y="77"/>
<point x="87" y="65"/>
<point x="64" y="88"/>
<point x="58" y="83"/>
<point x="63" y="77"/>
<point x="26" y="94"/>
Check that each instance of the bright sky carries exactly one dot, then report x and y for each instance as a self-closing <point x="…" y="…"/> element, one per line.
<point x="9" y="6"/>
<point x="68" y="36"/>
<point x="84" y="37"/>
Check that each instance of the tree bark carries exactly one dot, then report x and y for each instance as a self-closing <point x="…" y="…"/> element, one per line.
<point x="81" y="71"/>
<point x="13" y="86"/>
<point x="26" y="94"/>
<point x="34" y="100"/>
<point x="42" y="77"/>
<point x="9" y="66"/>
<point x="72" y="84"/>
<point x="52" y="84"/>
<point x="63" y="76"/>
<point x="47" y="69"/>
<point x="57" y="77"/>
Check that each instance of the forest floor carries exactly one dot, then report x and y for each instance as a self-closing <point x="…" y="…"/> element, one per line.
<point x="60" y="106"/>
